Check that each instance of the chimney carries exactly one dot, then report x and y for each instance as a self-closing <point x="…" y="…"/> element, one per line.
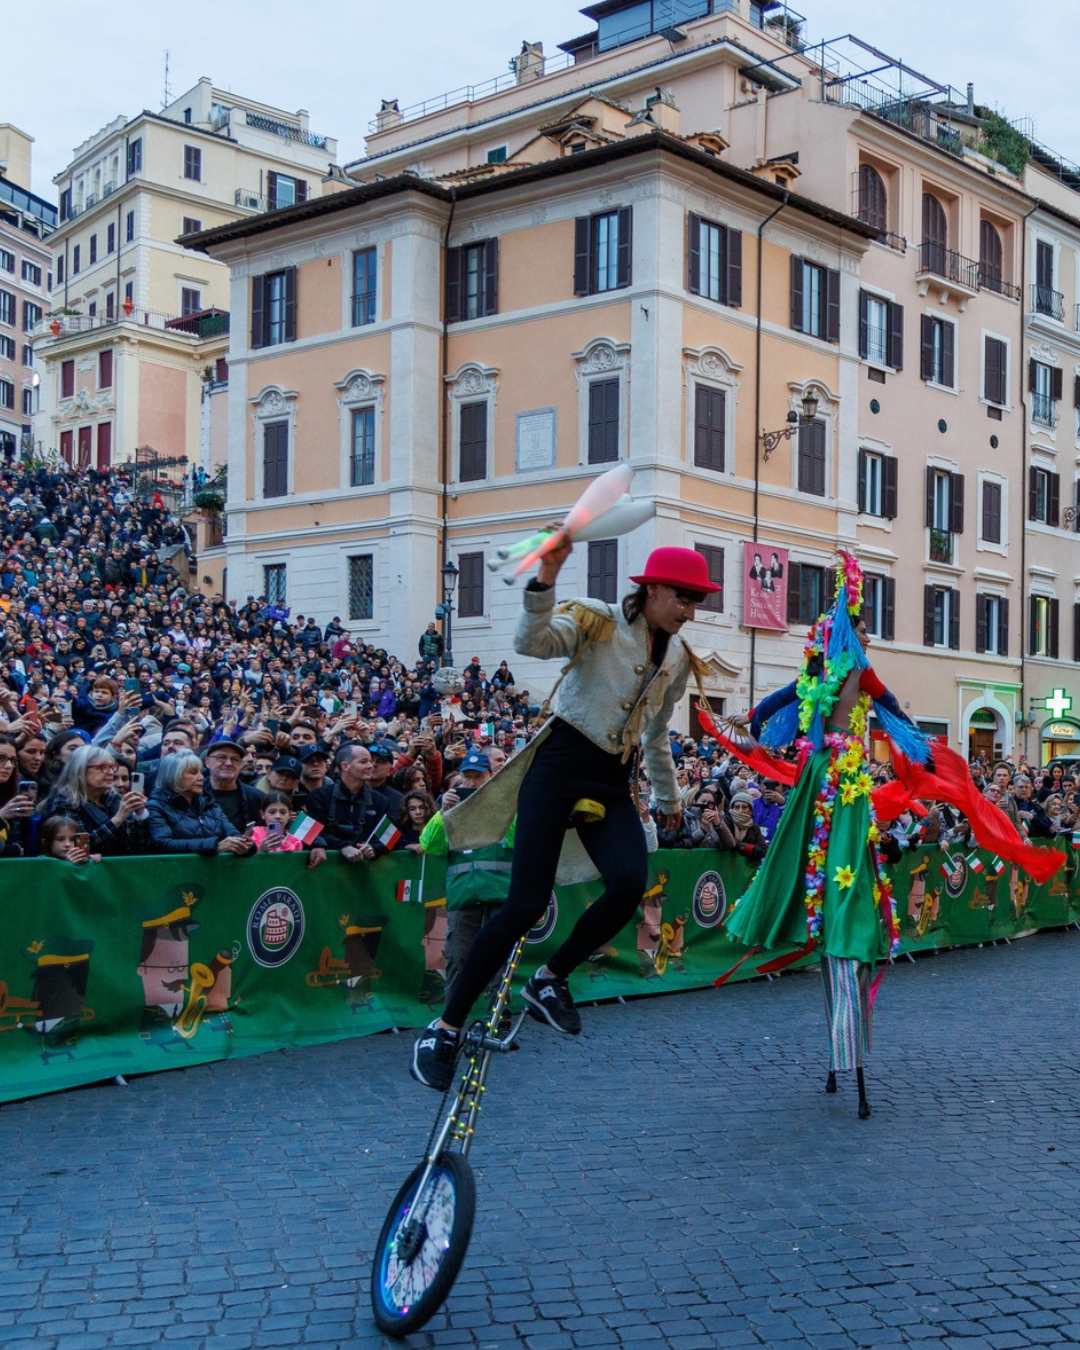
<point x="529" y="62"/>
<point x="389" y="115"/>
<point x="660" y="111"/>
<point x="971" y="98"/>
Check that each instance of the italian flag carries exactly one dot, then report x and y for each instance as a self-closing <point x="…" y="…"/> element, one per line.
<point x="1076" y="838"/>
<point x="975" y="862"/>
<point x="305" y="828"/>
<point x="404" y="892"/>
<point x="948" y="867"/>
<point x="385" y="833"/>
<point x="998" y="866"/>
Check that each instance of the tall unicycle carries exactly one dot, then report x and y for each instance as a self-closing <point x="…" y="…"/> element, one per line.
<point x="426" y="1232"/>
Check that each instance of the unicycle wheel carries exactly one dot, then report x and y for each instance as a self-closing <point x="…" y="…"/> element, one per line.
<point x="422" y="1244"/>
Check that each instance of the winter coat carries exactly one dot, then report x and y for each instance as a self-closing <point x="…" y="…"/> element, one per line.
<point x="180" y="826"/>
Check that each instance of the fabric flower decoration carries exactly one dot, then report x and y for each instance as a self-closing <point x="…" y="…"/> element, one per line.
<point x="844" y="877"/>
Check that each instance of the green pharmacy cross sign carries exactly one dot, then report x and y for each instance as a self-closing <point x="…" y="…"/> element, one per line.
<point x="1058" y="703"/>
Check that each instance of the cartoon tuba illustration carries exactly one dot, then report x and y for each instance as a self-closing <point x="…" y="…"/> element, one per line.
<point x="190" y="1019"/>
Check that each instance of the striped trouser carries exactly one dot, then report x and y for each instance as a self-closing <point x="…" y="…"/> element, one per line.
<point x="847" y="1010"/>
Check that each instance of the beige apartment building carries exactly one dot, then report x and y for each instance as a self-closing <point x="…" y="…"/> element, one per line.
<point x="916" y="348"/>
<point x="429" y="371"/>
<point x="26" y="221"/>
<point x="134" y="341"/>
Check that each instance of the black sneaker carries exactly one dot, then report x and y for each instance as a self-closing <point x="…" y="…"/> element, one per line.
<point x="434" y="1055"/>
<point x="549" y="1001"/>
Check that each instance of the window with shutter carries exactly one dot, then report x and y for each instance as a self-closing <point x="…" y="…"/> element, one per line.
<point x="471" y="586"/>
<point x="935" y="234"/>
<point x="603" y="570"/>
<point x="603" y="421"/>
<point x="714" y="561"/>
<point x="192" y="162"/>
<point x="104" y="446"/>
<point x="602" y="251"/>
<point x="276" y="459"/>
<point x="991" y="512"/>
<point x="709" y="427"/>
<point x="872" y="208"/>
<point x="990" y="256"/>
<point x="129" y="227"/>
<point x="715" y="261"/>
<point x="473" y="442"/>
<point x="815" y="300"/>
<point x="67" y="379"/>
<point x="994" y="374"/>
<point x="812" y="457"/>
<point x="105" y="369"/>
<point x="806" y="592"/>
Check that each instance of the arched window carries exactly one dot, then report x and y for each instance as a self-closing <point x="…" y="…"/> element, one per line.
<point x="935" y="233"/>
<point x="873" y="204"/>
<point x="990" y="254"/>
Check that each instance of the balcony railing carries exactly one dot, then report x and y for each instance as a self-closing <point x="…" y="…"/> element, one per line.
<point x="944" y="262"/>
<point x="941" y="546"/>
<point x="990" y="279"/>
<point x="1043" y="410"/>
<point x="253" y="201"/>
<point x="1045" y="300"/>
<point x="363" y="308"/>
<point x="205" y="323"/>
<point x="286" y="132"/>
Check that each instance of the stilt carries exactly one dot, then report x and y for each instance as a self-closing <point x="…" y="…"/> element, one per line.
<point x="864" y="1105"/>
<point x="830" y="1082"/>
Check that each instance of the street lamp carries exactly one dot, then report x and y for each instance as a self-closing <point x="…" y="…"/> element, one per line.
<point x="449" y="585"/>
<point x="771" y="439"/>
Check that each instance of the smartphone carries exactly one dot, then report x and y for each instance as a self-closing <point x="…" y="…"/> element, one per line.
<point x="28" y="788"/>
<point x="82" y="841"/>
<point x="138" y="782"/>
<point x="519" y="743"/>
<point x="276" y="827"/>
<point x="131" y="685"/>
<point x="351" y="708"/>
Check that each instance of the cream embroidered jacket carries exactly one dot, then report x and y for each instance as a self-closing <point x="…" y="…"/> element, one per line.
<point x="604" y="694"/>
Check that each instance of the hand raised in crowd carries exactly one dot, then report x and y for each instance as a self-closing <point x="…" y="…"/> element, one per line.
<point x="18" y="808"/>
<point x="316" y="858"/>
<point x="450" y="799"/>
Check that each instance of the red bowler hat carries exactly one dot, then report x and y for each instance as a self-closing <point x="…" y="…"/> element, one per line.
<point x="683" y="568"/>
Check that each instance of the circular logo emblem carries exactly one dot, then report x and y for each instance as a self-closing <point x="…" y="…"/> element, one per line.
<point x="957" y="879"/>
<point x="546" y="926"/>
<point x="275" y="926"/>
<point x="710" y="900"/>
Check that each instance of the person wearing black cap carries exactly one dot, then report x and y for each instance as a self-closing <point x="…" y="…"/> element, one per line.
<point x="283" y="775"/>
<point x="382" y="770"/>
<point x="240" y="801"/>
<point x="314" y="766"/>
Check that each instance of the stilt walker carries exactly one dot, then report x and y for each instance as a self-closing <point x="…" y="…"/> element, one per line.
<point x="823" y="882"/>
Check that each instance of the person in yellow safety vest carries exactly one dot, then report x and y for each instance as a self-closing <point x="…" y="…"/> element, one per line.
<point x="477" y="878"/>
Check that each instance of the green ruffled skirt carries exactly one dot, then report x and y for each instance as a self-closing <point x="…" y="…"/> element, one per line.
<point x="772" y="912"/>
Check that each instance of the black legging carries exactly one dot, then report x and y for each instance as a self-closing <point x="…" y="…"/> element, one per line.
<point x="567" y="767"/>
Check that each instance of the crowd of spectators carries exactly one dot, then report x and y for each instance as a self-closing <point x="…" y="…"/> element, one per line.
<point x="137" y="716"/>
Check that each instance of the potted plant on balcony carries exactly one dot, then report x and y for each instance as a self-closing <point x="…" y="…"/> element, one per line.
<point x="55" y="327"/>
<point x="210" y="501"/>
<point x="127" y="306"/>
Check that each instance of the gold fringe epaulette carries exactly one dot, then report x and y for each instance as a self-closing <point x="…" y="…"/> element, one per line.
<point x="596" y="627"/>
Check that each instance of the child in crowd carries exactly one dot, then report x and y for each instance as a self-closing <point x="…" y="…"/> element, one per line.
<point x="272" y="835"/>
<point x="58" y="840"/>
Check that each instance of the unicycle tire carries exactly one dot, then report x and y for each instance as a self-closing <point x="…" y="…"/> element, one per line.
<point x="405" y="1296"/>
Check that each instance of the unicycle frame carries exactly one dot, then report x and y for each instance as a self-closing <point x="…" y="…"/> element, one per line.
<point x="481" y="1041"/>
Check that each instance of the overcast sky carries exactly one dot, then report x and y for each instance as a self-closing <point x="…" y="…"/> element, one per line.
<point x="92" y="60"/>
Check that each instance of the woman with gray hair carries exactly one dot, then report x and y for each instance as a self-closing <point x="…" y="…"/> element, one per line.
<point x="86" y="791"/>
<point x="184" y="819"/>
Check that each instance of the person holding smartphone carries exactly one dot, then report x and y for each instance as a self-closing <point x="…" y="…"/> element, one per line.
<point x="16" y="802"/>
<point x="628" y="667"/>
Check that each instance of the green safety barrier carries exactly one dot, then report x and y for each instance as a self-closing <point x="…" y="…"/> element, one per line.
<point x="142" y="964"/>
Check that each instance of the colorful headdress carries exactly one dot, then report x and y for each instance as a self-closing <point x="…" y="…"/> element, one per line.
<point x="832" y="651"/>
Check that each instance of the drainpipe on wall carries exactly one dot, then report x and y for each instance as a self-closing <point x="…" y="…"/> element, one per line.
<point x="1023" y="478"/>
<point x="444" y="415"/>
<point x="757" y="409"/>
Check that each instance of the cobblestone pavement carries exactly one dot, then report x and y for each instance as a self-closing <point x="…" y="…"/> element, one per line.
<point x="675" y="1177"/>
